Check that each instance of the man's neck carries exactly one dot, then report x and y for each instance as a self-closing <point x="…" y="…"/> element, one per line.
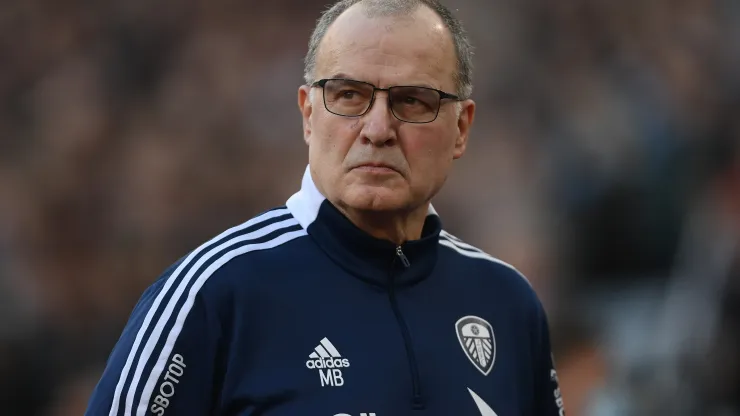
<point x="397" y="227"/>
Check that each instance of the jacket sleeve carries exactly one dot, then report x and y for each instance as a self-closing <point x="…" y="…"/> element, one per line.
<point x="548" y="398"/>
<point x="164" y="361"/>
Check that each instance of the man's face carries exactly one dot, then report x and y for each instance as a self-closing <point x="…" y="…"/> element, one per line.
<point x="410" y="162"/>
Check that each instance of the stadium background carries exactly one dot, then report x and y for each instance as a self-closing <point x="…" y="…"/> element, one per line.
<point x="604" y="163"/>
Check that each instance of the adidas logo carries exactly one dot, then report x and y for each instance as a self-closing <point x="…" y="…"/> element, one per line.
<point x="328" y="361"/>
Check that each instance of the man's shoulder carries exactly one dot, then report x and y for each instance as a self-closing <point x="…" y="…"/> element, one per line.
<point x="231" y="254"/>
<point x="486" y="267"/>
<point x="267" y="231"/>
<point x="491" y="275"/>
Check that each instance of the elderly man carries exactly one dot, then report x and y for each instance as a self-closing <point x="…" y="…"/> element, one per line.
<point x="350" y="300"/>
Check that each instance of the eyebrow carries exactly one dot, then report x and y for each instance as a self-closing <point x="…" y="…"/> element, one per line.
<point x="342" y="75"/>
<point x="418" y="84"/>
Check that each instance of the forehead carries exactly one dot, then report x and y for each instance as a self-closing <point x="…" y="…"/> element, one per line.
<point x="389" y="50"/>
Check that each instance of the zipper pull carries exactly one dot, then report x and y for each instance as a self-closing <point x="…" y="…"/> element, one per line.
<point x="404" y="259"/>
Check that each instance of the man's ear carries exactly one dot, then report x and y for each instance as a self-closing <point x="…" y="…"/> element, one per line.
<point x="304" y="104"/>
<point x="464" y="122"/>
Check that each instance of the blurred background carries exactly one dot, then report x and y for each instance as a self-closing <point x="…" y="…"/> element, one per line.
<point x="604" y="164"/>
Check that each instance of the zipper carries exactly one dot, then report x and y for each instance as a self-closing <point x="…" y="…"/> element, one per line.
<point x="416" y="400"/>
<point x="404" y="259"/>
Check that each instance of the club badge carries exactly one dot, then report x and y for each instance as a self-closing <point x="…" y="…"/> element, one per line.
<point x="476" y="339"/>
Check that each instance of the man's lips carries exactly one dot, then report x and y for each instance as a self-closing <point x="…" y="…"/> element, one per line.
<point x="376" y="167"/>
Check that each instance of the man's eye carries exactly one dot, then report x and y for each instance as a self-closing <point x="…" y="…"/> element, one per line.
<point x="348" y="94"/>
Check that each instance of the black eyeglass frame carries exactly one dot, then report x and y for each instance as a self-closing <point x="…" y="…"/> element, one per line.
<point x="442" y="96"/>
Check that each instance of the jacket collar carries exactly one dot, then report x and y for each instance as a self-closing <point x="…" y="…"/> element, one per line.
<point x="371" y="259"/>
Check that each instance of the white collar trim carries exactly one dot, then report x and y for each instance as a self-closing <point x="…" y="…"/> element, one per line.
<point x="305" y="204"/>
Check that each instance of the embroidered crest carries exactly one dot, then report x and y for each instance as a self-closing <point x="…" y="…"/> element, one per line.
<point x="477" y="340"/>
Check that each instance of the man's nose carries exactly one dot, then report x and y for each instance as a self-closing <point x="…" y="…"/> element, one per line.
<point x="379" y="125"/>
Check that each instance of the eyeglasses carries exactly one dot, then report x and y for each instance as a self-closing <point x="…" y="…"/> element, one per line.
<point x="350" y="98"/>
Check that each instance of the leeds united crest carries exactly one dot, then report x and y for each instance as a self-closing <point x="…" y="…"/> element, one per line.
<point x="476" y="338"/>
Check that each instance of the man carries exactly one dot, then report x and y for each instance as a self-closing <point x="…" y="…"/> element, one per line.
<point x="351" y="300"/>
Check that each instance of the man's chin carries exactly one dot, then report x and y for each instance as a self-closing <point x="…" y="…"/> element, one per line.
<point x="375" y="198"/>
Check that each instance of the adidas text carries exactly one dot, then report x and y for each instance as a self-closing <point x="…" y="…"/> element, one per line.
<point x="327" y="363"/>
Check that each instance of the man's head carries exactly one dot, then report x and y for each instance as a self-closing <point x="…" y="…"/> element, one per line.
<point x="372" y="160"/>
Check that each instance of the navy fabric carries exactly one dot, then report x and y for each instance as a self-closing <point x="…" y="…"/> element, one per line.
<point x="299" y="312"/>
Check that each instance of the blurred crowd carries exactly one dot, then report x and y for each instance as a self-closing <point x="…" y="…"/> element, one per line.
<point x="604" y="164"/>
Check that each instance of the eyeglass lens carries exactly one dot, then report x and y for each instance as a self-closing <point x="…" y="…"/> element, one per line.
<point x="353" y="98"/>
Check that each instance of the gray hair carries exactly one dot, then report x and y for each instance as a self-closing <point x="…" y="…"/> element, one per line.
<point x="463" y="49"/>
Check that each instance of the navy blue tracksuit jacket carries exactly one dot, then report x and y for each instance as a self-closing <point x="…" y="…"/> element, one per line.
<point x="298" y="312"/>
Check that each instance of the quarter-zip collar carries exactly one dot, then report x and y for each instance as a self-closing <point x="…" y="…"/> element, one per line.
<point x="379" y="262"/>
